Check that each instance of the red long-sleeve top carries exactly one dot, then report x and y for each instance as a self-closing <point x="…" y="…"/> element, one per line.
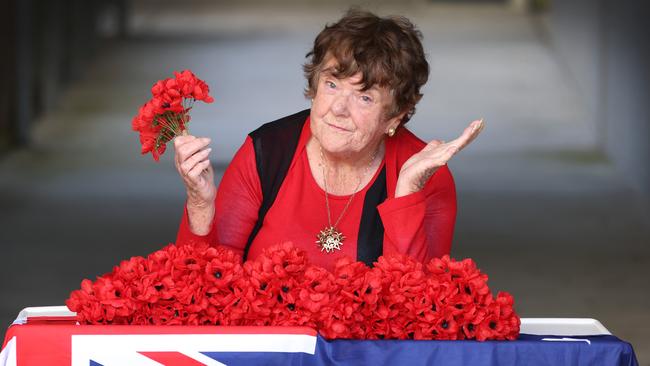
<point x="420" y="225"/>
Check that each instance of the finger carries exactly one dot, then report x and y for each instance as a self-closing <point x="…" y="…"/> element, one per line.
<point x="435" y="143"/>
<point x="443" y="157"/>
<point x="210" y="172"/>
<point x="198" y="169"/>
<point x="469" y="130"/>
<point x="478" y="129"/>
<point x="461" y="140"/>
<point x="468" y="135"/>
<point x="180" y="140"/>
<point x="188" y="164"/>
<point x="190" y="148"/>
<point x="475" y="132"/>
<point x="437" y="159"/>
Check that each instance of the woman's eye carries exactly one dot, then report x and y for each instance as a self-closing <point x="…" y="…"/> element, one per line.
<point x="366" y="99"/>
<point x="330" y="84"/>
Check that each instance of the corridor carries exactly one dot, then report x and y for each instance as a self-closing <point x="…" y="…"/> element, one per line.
<point x="540" y="209"/>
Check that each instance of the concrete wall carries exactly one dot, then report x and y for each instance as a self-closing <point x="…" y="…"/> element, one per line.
<point x="605" y="48"/>
<point x="575" y="28"/>
<point x="626" y="101"/>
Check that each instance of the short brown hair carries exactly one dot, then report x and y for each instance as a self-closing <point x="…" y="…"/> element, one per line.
<point x="386" y="51"/>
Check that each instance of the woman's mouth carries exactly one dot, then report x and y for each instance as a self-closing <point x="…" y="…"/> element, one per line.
<point x="337" y="127"/>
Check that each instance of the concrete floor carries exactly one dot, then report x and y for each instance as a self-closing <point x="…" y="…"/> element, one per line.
<point x="544" y="214"/>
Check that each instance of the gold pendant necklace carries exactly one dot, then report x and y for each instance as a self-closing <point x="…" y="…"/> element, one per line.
<point x="330" y="239"/>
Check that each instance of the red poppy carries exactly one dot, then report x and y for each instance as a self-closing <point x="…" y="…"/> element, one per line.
<point x="166" y="115"/>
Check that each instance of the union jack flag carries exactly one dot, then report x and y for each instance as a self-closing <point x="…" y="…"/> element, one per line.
<point x="50" y="336"/>
<point x="157" y="345"/>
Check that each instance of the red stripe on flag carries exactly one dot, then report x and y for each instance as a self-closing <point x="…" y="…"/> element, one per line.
<point x="172" y="358"/>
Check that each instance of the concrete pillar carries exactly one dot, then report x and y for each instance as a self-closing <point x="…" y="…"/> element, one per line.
<point x="8" y="28"/>
<point x="626" y="102"/>
<point x="24" y="70"/>
<point x="605" y="47"/>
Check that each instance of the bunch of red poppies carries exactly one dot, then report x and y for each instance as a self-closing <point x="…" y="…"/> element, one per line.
<point x="166" y="114"/>
<point x="398" y="298"/>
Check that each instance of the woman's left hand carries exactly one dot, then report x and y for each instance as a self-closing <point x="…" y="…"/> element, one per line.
<point x="417" y="170"/>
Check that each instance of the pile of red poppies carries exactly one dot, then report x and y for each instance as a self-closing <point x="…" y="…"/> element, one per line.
<point x="166" y="114"/>
<point x="398" y="298"/>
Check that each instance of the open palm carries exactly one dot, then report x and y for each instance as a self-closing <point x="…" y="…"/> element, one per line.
<point x="417" y="170"/>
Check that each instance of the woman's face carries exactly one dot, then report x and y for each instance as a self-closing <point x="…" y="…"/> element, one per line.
<point x="347" y="121"/>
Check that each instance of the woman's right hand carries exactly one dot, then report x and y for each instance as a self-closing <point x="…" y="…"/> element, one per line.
<point x="192" y="163"/>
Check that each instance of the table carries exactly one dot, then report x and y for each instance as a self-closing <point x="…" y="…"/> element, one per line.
<point x="53" y="340"/>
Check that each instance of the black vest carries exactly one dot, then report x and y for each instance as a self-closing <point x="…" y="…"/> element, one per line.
<point x="275" y="144"/>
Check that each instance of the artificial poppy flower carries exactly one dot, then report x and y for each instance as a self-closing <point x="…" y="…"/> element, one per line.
<point x="166" y="114"/>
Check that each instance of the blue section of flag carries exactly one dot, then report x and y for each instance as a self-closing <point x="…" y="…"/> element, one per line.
<point x="93" y="363"/>
<point x="527" y="350"/>
<point x="262" y="358"/>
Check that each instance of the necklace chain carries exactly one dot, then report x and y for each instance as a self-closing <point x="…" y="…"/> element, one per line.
<point x="327" y="201"/>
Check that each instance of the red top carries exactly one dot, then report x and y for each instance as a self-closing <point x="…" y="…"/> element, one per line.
<point x="420" y="225"/>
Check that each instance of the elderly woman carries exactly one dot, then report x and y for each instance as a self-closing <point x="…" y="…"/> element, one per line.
<point x="344" y="178"/>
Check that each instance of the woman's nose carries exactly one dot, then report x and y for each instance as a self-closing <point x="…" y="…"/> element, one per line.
<point x="340" y="105"/>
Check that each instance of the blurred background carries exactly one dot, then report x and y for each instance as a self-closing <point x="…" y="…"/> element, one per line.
<point x="554" y="197"/>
